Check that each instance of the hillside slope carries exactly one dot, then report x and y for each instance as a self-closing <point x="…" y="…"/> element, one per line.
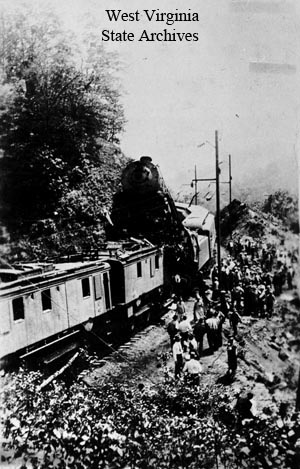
<point x="129" y="412"/>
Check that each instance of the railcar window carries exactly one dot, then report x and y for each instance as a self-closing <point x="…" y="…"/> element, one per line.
<point x="97" y="287"/>
<point x="46" y="300"/>
<point x="86" y="291"/>
<point x="18" y="308"/>
<point x="106" y="290"/>
<point x="5" y="317"/>
<point x="157" y="261"/>
<point x="151" y="268"/>
<point x="139" y="269"/>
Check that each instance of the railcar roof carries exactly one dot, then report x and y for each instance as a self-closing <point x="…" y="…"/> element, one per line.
<point x="66" y="266"/>
<point x="35" y="273"/>
<point x="125" y="249"/>
<point x="196" y="216"/>
<point x="193" y="210"/>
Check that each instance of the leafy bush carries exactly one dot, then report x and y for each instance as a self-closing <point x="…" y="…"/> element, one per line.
<point x="121" y="426"/>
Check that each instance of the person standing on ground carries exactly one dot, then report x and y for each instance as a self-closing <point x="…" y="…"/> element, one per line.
<point x="193" y="369"/>
<point x="277" y="283"/>
<point x="221" y="319"/>
<point x="270" y="301"/>
<point x="200" y="283"/>
<point x="212" y="331"/>
<point x="184" y="327"/>
<point x="234" y="319"/>
<point x="261" y="291"/>
<point x="225" y="302"/>
<point x="198" y="309"/>
<point x="231" y="357"/>
<point x="215" y="289"/>
<point x="180" y="308"/>
<point x="230" y="247"/>
<point x="178" y="356"/>
<point x="244" y="405"/>
<point x="237" y="296"/>
<point x="290" y="276"/>
<point x="199" y="333"/>
<point x="192" y="346"/>
<point x="172" y="329"/>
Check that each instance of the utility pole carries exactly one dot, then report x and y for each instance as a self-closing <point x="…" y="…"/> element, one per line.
<point x="218" y="206"/>
<point x="230" y="178"/>
<point x="217" y="181"/>
<point x="298" y="395"/>
<point x="196" y="180"/>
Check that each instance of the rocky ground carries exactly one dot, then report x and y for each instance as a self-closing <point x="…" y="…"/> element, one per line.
<point x="268" y="365"/>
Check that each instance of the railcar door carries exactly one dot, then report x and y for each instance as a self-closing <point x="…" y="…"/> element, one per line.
<point x="80" y="302"/>
<point x="18" y="336"/>
<point x="7" y="343"/>
<point x="102" y="292"/>
<point x="204" y="255"/>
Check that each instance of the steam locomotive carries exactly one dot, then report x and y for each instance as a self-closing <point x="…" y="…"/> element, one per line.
<point x="45" y="308"/>
<point x="145" y="207"/>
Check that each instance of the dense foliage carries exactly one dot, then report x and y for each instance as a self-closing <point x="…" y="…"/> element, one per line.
<point x="59" y="125"/>
<point x="284" y="206"/>
<point x="129" y="426"/>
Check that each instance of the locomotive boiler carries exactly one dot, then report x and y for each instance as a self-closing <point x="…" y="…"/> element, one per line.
<point x="145" y="207"/>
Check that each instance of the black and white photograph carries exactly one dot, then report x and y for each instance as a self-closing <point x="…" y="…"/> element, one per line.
<point x="149" y="234"/>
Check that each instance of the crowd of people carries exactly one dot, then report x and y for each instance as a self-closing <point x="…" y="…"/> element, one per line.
<point x="251" y="277"/>
<point x="187" y="338"/>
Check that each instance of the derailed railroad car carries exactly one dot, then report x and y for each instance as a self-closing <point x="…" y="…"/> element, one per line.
<point x="200" y="224"/>
<point x="45" y="309"/>
<point x="137" y="279"/>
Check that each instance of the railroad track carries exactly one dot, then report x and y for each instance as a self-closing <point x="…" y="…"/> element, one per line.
<point x="131" y="358"/>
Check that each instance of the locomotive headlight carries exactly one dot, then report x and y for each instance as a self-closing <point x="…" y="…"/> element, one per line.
<point x="141" y="175"/>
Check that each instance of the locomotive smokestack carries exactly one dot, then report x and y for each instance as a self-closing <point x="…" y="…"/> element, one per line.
<point x="145" y="159"/>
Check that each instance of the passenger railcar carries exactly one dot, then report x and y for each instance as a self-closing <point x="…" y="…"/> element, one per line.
<point x="46" y="304"/>
<point x="137" y="278"/>
<point x="200" y="224"/>
<point x="45" y="307"/>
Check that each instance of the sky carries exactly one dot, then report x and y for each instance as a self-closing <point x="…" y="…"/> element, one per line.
<point x="241" y="78"/>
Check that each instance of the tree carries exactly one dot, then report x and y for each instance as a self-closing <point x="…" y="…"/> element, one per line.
<point x="284" y="206"/>
<point x="53" y="114"/>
